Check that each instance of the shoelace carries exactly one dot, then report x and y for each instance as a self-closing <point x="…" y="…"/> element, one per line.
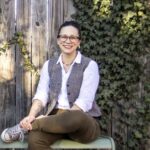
<point x="16" y="133"/>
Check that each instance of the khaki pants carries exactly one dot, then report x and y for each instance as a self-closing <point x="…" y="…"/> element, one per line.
<point x="75" y="125"/>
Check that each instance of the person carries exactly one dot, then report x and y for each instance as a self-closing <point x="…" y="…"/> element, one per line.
<point x="67" y="88"/>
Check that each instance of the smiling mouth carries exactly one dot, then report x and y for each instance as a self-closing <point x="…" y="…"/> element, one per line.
<point x="67" y="46"/>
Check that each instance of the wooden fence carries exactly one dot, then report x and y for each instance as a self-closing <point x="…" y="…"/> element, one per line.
<point x="38" y="20"/>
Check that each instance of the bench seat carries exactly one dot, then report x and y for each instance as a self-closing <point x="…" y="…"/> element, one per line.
<point x="100" y="143"/>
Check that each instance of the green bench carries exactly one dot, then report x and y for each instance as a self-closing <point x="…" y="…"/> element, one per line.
<point x="105" y="143"/>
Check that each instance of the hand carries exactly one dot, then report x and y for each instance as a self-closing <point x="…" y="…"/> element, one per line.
<point x="26" y="122"/>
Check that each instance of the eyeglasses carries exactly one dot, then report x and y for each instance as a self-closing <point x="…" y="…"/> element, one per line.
<point x="72" y="38"/>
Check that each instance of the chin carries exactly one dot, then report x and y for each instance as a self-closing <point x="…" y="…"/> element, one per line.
<point x="68" y="51"/>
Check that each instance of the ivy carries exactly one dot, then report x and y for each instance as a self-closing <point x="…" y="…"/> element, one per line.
<point x="18" y="40"/>
<point x="116" y="34"/>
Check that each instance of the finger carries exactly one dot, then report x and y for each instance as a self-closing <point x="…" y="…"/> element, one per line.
<point x="24" y="123"/>
<point x="30" y="127"/>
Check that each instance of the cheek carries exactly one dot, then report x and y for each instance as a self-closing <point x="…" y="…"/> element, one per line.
<point x="59" y="43"/>
<point x="78" y="44"/>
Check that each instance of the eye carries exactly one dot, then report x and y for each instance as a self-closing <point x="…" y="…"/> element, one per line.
<point x="73" y="37"/>
<point x="63" y="36"/>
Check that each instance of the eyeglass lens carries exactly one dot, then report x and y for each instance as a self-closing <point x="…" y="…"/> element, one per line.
<point x="64" y="38"/>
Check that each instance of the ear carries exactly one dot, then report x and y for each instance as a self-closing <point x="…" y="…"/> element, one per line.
<point x="79" y="43"/>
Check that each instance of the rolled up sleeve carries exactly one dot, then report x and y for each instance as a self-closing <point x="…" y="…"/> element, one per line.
<point x="42" y="92"/>
<point x="89" y="87"/>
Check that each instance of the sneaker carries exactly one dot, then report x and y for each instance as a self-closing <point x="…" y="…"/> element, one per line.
<point x="12" y="134"/>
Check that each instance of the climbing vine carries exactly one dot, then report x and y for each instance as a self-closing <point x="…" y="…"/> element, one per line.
<point x="117" y="35"/>
<point x="18" y="40"/>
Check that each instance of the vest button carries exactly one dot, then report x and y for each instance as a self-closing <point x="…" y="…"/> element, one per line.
<point x="67" y="85"/>
<point x="69" y="93"/>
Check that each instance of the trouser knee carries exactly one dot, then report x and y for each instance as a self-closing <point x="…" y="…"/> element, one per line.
<point x="72" y="120"/>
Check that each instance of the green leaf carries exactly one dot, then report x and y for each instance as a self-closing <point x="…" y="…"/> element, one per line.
<point x="138" y="135"/>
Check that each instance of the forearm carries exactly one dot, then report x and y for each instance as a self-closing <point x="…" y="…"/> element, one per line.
<point x="35" y="108"/>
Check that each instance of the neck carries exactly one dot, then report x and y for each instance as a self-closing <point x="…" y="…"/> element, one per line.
<point x="68" y="59"/>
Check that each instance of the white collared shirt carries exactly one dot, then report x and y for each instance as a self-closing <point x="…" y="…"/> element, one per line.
<point x="87" y="91"/>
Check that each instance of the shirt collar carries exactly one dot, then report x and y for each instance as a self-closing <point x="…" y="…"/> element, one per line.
<point x="77" y="59"/>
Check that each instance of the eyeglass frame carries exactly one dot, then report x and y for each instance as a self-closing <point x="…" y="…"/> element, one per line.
<point x="68" y="37"/>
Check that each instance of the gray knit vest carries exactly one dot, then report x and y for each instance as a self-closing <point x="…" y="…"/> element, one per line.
<point x="73" y="84"/>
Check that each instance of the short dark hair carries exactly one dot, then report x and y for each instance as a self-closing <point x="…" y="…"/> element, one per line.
<point x="70" y="23"/>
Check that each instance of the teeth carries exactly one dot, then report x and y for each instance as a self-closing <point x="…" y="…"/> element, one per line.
<point x="67" y="46"/>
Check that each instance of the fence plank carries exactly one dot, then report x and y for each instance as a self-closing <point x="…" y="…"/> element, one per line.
<point x="7" y="81"/>
<point x="23" y="77"/>
<point x="53" y="13"/>
<point x="38" y="30"/>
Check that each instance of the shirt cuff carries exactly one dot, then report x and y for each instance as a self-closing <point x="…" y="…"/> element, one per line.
<point x="84" y="106"/>
<point x="41" y="98"/>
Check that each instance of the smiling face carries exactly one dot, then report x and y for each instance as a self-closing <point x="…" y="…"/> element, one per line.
<point x="68" y="40"/>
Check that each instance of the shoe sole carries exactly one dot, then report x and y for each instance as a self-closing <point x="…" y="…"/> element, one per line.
<point x="3" y="137"/>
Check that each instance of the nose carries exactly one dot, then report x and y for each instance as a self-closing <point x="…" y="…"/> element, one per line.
<point x="68" y="40"/>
